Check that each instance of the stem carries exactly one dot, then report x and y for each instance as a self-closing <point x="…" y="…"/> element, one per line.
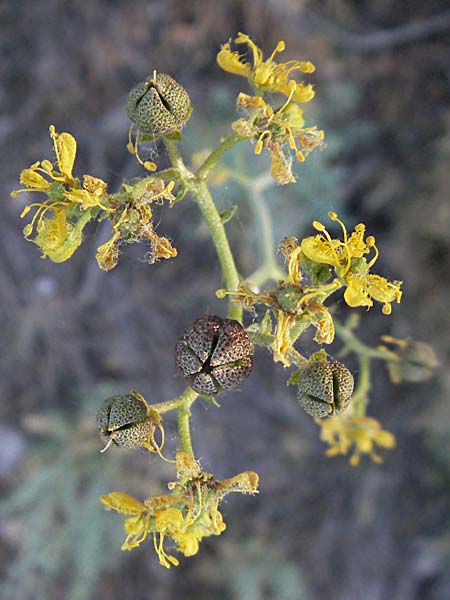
<point x="209" y="211"/>
<point x="361" y="395"/>
<point x="358" y="347"/>
<point x="182" y="405"/>
<point x="269" y="269"/>
<point x="184" y="429"/>
<point x="188" y="397"/>
<point x="225" y="145"/>
<point x="216" y="229"/>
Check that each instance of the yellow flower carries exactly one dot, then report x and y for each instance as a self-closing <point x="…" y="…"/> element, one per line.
<point x="281" y="131"/>
<point x="186" y="515"/>
<point x="60" y="234"/>
<point x="343" y="432"/>
<point x="350" y="266"/>
<point x="57" y="238"/>
<point x="267" y="75"/>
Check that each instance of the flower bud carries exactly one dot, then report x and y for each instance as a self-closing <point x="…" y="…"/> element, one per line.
<point x="325" y="388"/>
<point x="288" y="297"/>
<point x="159" y="105"/>
<point x="416" y="362"/>
<point x="214" y="355"/>
<point x="124" y="421"/>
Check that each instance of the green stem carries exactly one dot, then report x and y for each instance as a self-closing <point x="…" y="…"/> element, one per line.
<point x="361" y="395"/>
<point x="225" y="145"/>
<point x="269" y="269"/>
<point x="182" y="405"/>
<point x="187" y="398"/>
<point x="212" y="218"/>
<point x="358" y="347"/>
<point x="184" y="430"/>
<point x="211" y="215"/>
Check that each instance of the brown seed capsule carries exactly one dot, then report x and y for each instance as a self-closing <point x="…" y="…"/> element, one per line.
<point x="159" y="105"/>
<point x="325" y="388"/>
<point x="214" y="355"/>
<point x="124" y="421"/>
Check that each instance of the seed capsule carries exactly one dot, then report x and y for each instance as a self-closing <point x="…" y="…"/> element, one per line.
<point x="159" y="105"/>
<point x="325" y="388"/>
<point x="214" y="355"/>
<point x="124" y="421"/>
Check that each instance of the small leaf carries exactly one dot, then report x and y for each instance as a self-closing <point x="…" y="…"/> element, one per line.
<point x="210" y="400"/>
<point x="294" y="379"/>
<point x="320" y="355"/>
<point x="266" y="324"/>
<point x="227" y="215"/>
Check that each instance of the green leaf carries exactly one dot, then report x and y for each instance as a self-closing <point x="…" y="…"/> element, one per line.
<point x="320" y="355"/>
<point x="294" y="379"/>
<point x="210" y="400"/>
<point x="266" y="324"/>
<point x="226" y="215"/>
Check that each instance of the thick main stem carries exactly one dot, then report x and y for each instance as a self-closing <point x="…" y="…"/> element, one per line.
<point x="212" y="218"/>
<point x="216" y="228"/>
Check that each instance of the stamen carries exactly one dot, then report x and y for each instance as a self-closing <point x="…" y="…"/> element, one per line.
<point x="333" y="216"/>
<point x="279" y="48"/>
<point x="370" y="241"/>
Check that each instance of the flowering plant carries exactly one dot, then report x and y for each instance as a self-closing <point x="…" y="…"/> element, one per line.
<point x="215" y="354"/>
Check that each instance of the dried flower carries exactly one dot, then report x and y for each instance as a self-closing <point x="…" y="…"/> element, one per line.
<point x="187" y="514"/>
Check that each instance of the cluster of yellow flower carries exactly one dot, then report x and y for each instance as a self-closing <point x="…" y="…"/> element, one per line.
<point x="343" y="432"/>
<point x="187" y="515"/>
<point x="69" y="205"/>
<point x="274" y="129"/>
<point x="297" y="305"/>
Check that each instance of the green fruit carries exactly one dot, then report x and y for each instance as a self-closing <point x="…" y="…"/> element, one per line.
<point x="159" y="105"/>
<point x="124" y="421"/>
<point x="325" y="388"/>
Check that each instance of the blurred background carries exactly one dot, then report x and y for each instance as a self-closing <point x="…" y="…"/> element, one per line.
<point x="73" y="335"/>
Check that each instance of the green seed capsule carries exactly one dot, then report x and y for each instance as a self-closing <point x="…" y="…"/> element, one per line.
<point x="159" y="105"/>
<point x="325" y="388"/>
<point x="124" y="421"/>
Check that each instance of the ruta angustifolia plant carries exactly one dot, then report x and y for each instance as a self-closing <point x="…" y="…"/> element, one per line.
<point x="215" y="354"/>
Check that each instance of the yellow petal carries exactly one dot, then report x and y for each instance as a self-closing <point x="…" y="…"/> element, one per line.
<point x="58" y="239"/>
<point x="108" y="255"/>
<point x="382" y="290"/>
<point x="356" y="293"/>
<point x="319" y="250"/>
<point x="65" y="150"/>
<point x="230" y="61"/>
<point x="170" y="519"/>
<point x="188" y="543"/>
<point x="123" y="503"/>
<point x="83" y="197"/>
<point x="356" y="245"/>
<point x="303" y="92"/>
<point x="94" y="185"/>
<point x="385" y="439"/>
<point x="281" y="168"/>
<point x="245" y="483"/>
<point x="34" y="180"/>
